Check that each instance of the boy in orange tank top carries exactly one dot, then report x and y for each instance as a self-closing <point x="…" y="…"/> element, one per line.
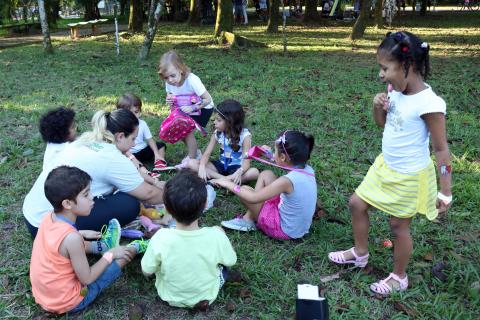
<point x="62" y="279"/>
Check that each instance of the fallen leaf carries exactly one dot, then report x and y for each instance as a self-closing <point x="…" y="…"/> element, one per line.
<point x="402" y="308"/>
<point x="7" y="226"/>
<point x="230" y="306"/>
<point x="336" y="220"/>
<point x="135" y="312"/>
<point x="437" y="271"/>
<point x="27" y="152"/>
<point x="341" y="307"/>
<point x="201" y="305"/>
<point x="367" y="270"/>
<point x="297" y="263"/>
<point x="457" y="256"/>
<point x="3" y="159"/>
<point x="244" y="293"/>
<point x="428" y="256"/>
<point x="330" y="277"/>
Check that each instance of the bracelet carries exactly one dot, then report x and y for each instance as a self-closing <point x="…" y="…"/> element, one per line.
<point x="446" y="199"/>
<point x="237" y="189"/>
<point x="108" y="256"/>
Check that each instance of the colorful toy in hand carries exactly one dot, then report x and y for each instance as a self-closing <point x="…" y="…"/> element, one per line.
<point x="151" y="213"/>
<point x="182" y="100"/>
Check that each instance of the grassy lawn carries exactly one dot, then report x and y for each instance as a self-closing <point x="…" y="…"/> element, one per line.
<point x="323" y="86"/>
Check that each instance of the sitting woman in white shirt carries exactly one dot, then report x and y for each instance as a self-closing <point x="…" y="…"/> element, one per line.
<point x="117" y="186"/>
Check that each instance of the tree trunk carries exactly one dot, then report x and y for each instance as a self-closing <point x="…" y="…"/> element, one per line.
<point x="378" y="14"/>
<point x="361" y="24"/>
<point x="123" y="5"/>
<point x="423" y="8"/>
<point x="177" y="10"/>
<point x="153" y="18"/>
<point x="91" y="10"/>
<point x="224" y="17"/>
<point x="273" y="16"/>
<point x="311" y="13"/>
<point x="47" y="43"/>
<point x="135" y="21"/>
<point x="194" y="15"/>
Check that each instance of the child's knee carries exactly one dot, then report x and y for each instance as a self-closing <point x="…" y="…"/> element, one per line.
<point x="399" y="228"/>
<point x="266" y="174"/>
<point x="356" y="204"/>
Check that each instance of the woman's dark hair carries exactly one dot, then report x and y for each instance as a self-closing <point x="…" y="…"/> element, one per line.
<point x="232" y="112"/>
<point x="129" y="100"/>
<point x="408" y="49"/>
<point x="106" y="124"/>
<point x="55" y="125"/>
<point x="185" y="196"/>
<point x="65" y="183"/>
<point x="296" y="145"/>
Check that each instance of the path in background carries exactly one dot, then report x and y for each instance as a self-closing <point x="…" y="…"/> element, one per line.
<point x="59" y="35"/>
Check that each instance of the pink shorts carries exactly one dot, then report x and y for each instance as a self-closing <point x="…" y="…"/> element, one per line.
<point x="269" y="219"/>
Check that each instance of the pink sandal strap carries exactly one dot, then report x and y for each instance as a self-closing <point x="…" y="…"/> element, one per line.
<point x="382" y="287"/>
<point x="339" y="258"/>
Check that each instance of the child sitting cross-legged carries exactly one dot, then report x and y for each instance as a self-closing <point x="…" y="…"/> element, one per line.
<point x="189" y="262"/>
<point x="62" y="279"/>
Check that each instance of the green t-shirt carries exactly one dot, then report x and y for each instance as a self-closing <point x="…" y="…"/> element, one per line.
<point x="186" y="264"/>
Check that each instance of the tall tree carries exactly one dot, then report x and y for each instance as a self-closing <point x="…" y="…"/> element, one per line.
<point x="194" y="15"/>
<point x="47" y="43"/>
<point x="311" y="12"/>
<point x="91" y="9"/>
<point x="423" y="7"/>
<point x="135" y="21"/>
<point x="378" y="14"/>
<point x="177" y="10"/>
<point x="224" y="17"/>
<point x="361" y="24"/>
<point x="273" y="16"/>
<point x="123" y="5"/>
<point x="153" y="18"/>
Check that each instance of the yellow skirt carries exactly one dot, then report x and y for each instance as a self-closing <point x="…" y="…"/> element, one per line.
<point x="400" y="194"/>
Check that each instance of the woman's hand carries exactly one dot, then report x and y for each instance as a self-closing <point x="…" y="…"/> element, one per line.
<point x="380" y="101"/>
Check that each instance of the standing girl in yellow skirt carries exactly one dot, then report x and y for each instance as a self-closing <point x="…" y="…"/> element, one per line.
<point x="402" y="180"/>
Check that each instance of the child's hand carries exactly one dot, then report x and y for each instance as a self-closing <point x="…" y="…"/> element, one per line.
<point x="187" y="109"/>
<point x="169" y="99"/>
<point x="202" y="172"/>
<point x="90" y="234"/>
<point x="220" y="182"/>
<point x="123" y="253"/>
<point x="237" y="177"/>
<point x="380" y="101"/>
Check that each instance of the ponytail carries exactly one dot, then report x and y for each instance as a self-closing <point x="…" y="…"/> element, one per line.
<point x="106" y="124"/>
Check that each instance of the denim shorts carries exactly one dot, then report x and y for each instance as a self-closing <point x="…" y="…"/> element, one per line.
<point x="221" y="169"/>
<point x="95" y="288"/>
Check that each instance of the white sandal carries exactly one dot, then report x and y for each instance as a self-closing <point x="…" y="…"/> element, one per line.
<point x="338" y="257"/>
<point x="382" y="287"/>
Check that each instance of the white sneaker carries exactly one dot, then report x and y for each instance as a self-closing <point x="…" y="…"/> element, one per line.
<point x="239" y="224"/>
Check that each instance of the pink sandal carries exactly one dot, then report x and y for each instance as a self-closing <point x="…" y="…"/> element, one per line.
<point x="338" y="257"/>
<point x="382" y="287"/>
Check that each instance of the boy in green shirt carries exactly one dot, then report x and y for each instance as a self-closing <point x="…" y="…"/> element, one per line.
<point x="189" y="262"/>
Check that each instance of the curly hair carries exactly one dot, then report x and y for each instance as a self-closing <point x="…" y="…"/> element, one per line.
<point x="55" y="125"/>
<point x="406" y="48"/>
<point x="232" y="112"/>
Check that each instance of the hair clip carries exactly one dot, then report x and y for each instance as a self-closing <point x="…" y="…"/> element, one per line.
<point x="424" y="45"/>
<point x="398" y="36"/>
<point x="219" y="112"/>
<point x="282" y="140"/>
<point x="405" y="49"/>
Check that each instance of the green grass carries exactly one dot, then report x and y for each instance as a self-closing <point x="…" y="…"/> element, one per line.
<point x="323" y="86"/>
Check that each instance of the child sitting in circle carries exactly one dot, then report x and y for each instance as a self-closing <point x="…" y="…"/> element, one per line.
<point x="62" y="279"/>
<point x="188" y="261"/>
<point x="282" y="207"/>
<point x="402" y="180"/>
<point x="234" y="140"/>
<point x="179" y="80"/>
<point x="58" y="129"/>
<point x="155" y="150"/>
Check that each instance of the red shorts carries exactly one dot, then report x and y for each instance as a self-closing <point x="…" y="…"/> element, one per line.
<point x="269" y="219"/>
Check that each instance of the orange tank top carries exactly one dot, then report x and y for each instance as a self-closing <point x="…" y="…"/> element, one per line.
<point x="55" y="285"/>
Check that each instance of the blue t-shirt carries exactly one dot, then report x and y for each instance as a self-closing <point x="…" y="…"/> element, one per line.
<point x="297" y="207"/>
<point x="228" y="157"/>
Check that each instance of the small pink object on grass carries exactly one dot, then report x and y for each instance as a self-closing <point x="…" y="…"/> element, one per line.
<point x="387" y="243"/>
